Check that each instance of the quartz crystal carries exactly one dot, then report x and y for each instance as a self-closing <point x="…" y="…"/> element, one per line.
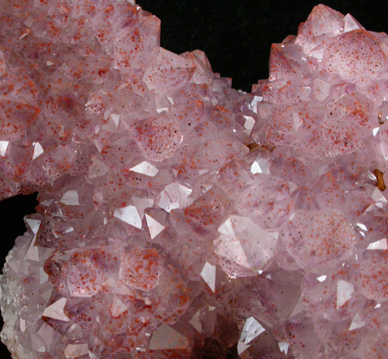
<point x="178" y="217"/>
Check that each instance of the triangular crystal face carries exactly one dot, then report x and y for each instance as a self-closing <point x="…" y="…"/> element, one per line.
<point x="166" y="337"/>
<point x="357" y="322"/>
<point x="195" y="321"/>
<point x="38" y="150"/>
<point x="154" y="226"/>
<point x="55" y="310"/>
<point x="252" y="329"/>
<point x="70" y="198"/>
<point x="208" y="274"/>
<point x="344" y="292"/>
<point x="378" y="245"/>
<point x="145" y="168"/>
<point x="129" y="215"/>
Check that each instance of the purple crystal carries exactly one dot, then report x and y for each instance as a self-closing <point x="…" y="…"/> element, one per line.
<point x="178" y="216"/>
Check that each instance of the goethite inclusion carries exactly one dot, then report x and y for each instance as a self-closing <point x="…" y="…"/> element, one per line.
<point x="178" y="217"/>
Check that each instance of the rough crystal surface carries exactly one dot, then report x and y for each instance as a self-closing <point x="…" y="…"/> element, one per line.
<point x="178" y="217"/>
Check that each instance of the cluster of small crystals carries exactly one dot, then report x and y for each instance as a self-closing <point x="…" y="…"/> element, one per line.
<point x="180" y="218"/>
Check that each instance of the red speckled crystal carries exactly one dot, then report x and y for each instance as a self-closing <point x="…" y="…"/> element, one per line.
<point x="179" y="217"/>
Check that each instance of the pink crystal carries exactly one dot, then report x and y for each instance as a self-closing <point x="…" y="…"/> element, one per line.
<point x="179" y="217"/>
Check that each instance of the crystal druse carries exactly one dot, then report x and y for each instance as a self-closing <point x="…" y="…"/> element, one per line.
<point x="179" y="217"/>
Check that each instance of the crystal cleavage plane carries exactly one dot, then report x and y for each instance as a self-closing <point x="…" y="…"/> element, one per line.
<point x="178" y="217"/>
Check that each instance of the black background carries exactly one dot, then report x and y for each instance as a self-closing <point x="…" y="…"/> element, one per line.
<point x="236" y="36"/>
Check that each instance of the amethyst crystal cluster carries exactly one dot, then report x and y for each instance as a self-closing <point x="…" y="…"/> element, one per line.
<point x="178" y="217"/>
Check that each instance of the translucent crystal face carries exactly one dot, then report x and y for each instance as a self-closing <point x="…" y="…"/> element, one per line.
<point x="178" y="217"/>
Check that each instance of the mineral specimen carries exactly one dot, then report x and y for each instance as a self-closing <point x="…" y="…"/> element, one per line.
<point x="178" y="217"/>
